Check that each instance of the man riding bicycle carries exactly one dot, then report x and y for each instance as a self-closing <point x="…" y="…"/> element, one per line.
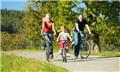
<point x="78" y="34"/>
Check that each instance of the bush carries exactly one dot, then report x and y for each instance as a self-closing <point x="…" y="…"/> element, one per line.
<point x="11" y="41"/>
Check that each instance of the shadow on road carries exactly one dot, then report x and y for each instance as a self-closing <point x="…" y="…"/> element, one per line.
<point x="84" y="60"/>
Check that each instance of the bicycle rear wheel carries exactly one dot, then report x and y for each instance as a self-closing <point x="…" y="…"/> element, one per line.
<point x="85" y="49"/>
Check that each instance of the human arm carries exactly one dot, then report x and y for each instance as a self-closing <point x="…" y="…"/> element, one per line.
<point x="43" y="25"/>
<point x="88" y="28"/>
<point x="58" y="37"/>
<point x="69" y="37"/>
<point x="77" y="27"/>
<point x="53" y="28"/>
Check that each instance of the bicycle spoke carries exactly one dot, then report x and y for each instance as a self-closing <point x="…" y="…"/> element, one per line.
<point x="85" y="50"/>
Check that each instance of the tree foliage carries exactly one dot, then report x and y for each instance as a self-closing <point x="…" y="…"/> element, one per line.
<point x="11" y="20"/>
<point x="103" y="18"/>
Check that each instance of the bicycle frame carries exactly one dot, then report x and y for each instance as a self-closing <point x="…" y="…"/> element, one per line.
<point x="63" y="52"/>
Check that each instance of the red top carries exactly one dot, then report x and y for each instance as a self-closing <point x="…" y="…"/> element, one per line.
<point x="48" y="27"/>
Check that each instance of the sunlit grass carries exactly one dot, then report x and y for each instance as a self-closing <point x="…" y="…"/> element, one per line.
<point x="108" y="53"/>
<point x="10" y="63"/>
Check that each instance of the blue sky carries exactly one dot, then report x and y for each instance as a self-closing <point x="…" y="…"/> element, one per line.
<point x="81" y="5"/>
<point x="21" y="4"/>
<point x="13" y="4"/>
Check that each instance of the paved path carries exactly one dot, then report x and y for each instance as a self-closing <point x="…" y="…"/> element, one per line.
<point x="92" y="64"/>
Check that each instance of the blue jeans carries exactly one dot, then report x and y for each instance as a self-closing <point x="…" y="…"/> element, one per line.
<point x="48" y="40"/>
<point x="78" y="38"/>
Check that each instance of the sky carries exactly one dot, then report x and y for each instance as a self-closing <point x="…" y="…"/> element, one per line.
<point x="81" y="5"/>
<point x="13" y="4"/>
<point x="21" y="4"/>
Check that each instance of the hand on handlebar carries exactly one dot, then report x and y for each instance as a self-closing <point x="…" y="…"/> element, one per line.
<point x="91" y="35"/>
<point x="54" y="33"/>
<point x="57" y="40"/>
<point x="41" y="33"/>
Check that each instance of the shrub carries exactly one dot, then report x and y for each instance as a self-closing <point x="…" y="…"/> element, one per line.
<point x="11" y="41"/>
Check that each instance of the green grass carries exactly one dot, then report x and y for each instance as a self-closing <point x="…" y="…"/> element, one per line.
<point x="11" y="63"/>
<point x="109" y="53"/>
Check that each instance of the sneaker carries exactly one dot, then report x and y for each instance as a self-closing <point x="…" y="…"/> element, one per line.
<point x="51" y="56"/>
<point x="43" y="48"/>
<point x="59" y="52"/>
<point x="68" y="55"/>
<point x="65" y="60"/>
<point x="47" y="57"/>
<point x="73" y="42"/>
<point x="76" y="57"/>
<point x="48" y="60"/>
<point x="82" y="57"/>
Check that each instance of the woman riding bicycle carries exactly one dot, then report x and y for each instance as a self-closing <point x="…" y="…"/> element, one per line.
<point x="47" y="31"/>
<point x="78" y="34"/>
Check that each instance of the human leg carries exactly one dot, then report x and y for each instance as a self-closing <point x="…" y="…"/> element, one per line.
<point x="50" y="35"/>
<point x="76" y="43"/>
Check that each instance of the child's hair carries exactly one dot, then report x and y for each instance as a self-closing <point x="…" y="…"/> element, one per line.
<point x="64" y="28"/>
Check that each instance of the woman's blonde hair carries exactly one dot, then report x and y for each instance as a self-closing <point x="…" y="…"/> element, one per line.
<point x="47" y="15"/>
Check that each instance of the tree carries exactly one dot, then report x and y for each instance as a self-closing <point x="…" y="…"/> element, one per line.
<point x="104" y="18"/>
<point x="11" y="20"/>
<point x="59" y="10"/>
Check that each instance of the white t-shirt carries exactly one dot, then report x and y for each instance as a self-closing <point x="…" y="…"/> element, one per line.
<point x="63" y="36"/>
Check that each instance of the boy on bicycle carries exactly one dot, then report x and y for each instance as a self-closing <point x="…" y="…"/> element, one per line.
<point x="63" y="36"/>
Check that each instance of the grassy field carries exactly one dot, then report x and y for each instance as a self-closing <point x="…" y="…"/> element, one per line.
<point x="10" y="63"/>
<point x="109" y="53"/>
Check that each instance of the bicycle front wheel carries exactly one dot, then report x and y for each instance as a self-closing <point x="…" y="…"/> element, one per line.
<point x="64" y="56"/>
<point x="85" y="50"/>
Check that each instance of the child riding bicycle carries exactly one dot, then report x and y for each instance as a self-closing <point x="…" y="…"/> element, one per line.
<point x="63" y="36"/>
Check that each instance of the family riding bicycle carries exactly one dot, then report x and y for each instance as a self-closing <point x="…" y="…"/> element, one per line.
<point x="78" y="38"/>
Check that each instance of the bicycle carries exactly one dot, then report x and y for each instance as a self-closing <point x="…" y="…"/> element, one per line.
<point x="85" y="47"/>
<point x="64" y="51"/>
<point x="49" y="49"/>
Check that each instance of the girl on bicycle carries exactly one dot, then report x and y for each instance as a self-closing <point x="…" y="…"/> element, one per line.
<point x="63" y="36"/>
